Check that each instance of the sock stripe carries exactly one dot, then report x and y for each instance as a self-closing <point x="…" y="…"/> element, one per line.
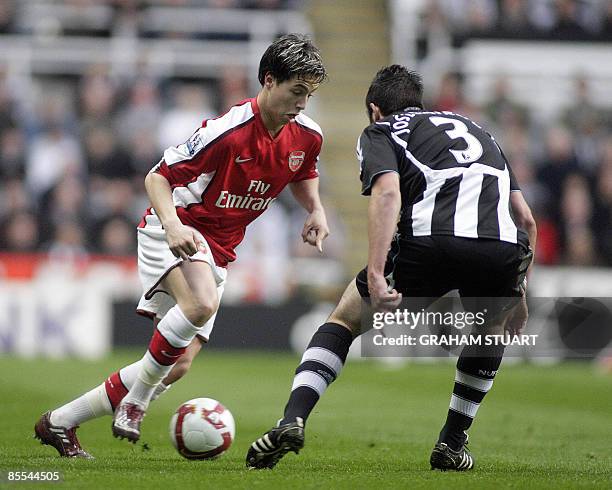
<point x="476" y="382"/>
<point x="163" y="351"/>
<point x="468" y="393"/>
<point x="165" y="340"/>
<point x="320" y="365"/>
<point x="466" y="407"/>
<point x="115" y="389"/>
<point x="317" y="367"/>
<point x="152" y="358"/>
<point x="324" y="356"/>
<point x="310" y="379"/>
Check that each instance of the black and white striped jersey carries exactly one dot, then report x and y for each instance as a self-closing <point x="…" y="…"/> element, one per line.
<point x="454" y="178"/>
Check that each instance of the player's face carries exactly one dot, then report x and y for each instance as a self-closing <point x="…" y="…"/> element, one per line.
<point x="287" y="99"/>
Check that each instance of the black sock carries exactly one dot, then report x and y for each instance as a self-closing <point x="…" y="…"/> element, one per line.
<point x="476" y="368"/>
<point x="320" y="366"/>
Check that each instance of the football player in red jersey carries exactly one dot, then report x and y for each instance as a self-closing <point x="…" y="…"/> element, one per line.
<point x="203" y="194"/>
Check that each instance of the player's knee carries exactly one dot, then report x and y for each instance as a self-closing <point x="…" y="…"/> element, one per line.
<point x="352" y="326"/>
<point x="200" y="309"/>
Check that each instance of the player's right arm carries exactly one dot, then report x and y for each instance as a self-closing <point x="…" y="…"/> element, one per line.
<point x="383" y="210"/>
<point x="379" y="174"/>
<point x="181" y="239"/>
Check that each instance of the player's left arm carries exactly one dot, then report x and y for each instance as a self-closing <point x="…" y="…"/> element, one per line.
<point x="306" y="192"/>
<point x="524" y="217"/>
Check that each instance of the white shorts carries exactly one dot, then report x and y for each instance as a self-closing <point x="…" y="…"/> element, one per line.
<point x="155" y="261"/>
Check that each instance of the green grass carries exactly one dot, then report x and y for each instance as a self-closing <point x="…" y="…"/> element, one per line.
<point x="540" y="427"/>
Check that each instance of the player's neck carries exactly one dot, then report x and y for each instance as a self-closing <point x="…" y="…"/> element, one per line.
<point x="272" y="124"/>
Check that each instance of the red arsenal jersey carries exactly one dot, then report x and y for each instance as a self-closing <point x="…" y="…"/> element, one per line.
<point x="231" y="170"/>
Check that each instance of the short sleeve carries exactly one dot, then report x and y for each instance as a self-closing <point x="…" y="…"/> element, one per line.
<point x="183" y="163"/>
<point x="513" y="183"/>
<point x="376" y="155"/>
<point x="308" y="169"/>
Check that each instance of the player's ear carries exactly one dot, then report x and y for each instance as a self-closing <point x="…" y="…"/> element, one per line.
<point x="375" y="114"/>
<point x="269" y="80"/>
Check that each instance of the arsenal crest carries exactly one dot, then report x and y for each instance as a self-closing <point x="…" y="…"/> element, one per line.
<point x="296" y="158"/>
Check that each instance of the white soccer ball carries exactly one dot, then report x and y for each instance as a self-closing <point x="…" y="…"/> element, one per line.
<point x="202" y="428"/>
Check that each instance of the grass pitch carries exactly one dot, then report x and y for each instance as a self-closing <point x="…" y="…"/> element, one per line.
<point x="540" y="427"/>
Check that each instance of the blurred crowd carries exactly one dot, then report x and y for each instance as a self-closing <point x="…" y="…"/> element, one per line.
<point x="561" y="20"/>
<point x="74" y="150"/>
<point x="105" y="18"/>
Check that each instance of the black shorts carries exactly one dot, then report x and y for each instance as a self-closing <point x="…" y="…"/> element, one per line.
<point x="431" y="266"/>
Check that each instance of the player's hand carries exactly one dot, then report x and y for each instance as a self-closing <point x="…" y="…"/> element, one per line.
<point x="182" y="240"/>
<point x="517" y="319"/>
<point x="382" y="297"/>
<point x="315" y="229"/>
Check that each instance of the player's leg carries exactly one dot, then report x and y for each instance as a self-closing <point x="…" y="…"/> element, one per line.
<point x="320" y="366"/>
<point x="325" y="356"/>
<point x="476" y="369"/>
<point x="194" y="288"/>
<point x="57" y="428"/>
<point x="489" y="280"/>
<point x="118" y="384"/>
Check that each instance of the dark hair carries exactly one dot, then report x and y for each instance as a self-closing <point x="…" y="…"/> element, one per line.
<point x="394" y="88"/>
<point x="292" y="55"/>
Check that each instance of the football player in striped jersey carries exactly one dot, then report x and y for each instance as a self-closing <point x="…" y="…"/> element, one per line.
<point x="463" y="224"/>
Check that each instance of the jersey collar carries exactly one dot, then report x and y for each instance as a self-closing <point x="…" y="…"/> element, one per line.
<point x="261" y="124"/>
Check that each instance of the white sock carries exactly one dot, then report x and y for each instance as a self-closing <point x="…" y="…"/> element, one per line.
<point x="130" y="373"/>
<point x="94" y="403"/>
<point x="89" y="406"/>
<point x="160" y="390"/>
<point x="178" y="331"/>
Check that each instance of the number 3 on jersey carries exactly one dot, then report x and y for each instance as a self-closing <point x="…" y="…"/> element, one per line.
<point x="474" y="149"/>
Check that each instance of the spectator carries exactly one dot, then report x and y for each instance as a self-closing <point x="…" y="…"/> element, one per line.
<point x="559" y="162"/>
<point x="585" y="119"/>
<point x="7" y="17"/>
<point x="20" y="233"/>
<point x="144" y="152"/>
<point x="66" y="201"/>
<point x="14" y="198"/>
<point x="142" y="112"/>
<point x="513" y="19"/>
<point x="97" y="96"/>
<point x="567" y="25"/>
<point x="104" y="157"/>
<point x="191" y="105"/>
<point x="449" y="96"/>
<point x="502" y="109"/>
<point x="602" y="217"/>
<point x="576" y="214"/>
<point x="68" y="243"/>
<point x="12" y="153"/>
<point x="52" y="155"/>
<point x="116" y="236"/>
<point x="233" y="86"/>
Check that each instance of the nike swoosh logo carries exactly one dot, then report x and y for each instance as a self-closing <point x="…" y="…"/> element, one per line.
<point x="168" y="355"/>
<point x="242" y="160"/>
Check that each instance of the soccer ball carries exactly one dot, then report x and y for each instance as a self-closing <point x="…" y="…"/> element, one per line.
<point x="202" y="428"/>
